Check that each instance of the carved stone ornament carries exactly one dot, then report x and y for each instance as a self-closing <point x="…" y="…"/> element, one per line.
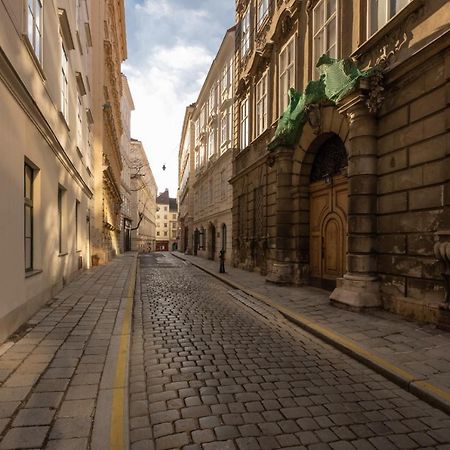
<point x="376" y="92"/>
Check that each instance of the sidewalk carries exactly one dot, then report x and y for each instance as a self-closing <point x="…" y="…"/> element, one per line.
<point x="63" y="381"/>
<point x="413" y="355"/>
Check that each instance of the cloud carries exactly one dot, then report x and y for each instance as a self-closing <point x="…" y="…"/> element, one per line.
<point x="171" y="44"/>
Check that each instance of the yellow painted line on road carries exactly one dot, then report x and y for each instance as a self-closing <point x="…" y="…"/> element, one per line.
<point x="117" y="433"/>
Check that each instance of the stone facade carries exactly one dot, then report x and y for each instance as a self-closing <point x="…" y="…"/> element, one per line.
<point x="357" y="204"/>
<point x="108" y="52"/>
<point x="126" y="210"/>
<point x="166" y="222"/>
<point x="186" y="170"/>
<point x="143" y="200"/>
<point x="206" y="161"/>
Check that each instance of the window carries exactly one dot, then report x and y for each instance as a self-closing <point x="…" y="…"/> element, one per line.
<point x="165" y="224"/>
<point x="211" y="143"/>
<point x="165" y="233"/>
<point x="34" y="27"/>
<point x="158" y="233"/>
<point x="245" y="33"/>
<point x="244" y="130"/>
<point x="77" y="228"/>
<point x="287" y="73"/>
<point x="28" y="181"/>
<point x="381" y="11"/>
<point x="325" y="29"/>
<point x="61" y="192"/>
<point x="212" y="100"/>
<point x="165" y="208"/>
<point x="64" y="84"/>
<point x="79" y="123"/>
<point x="165" y="216"/>
<point x="222" y="185"/>
<point x="197" y="130"/>
<point x="225" y="82"/>
<point x="202" y="118"/>
<point x="263" y="11"/>
<point x="261" y="105"/>
<point x="225" y="128"/>
<point x="174" y="216"/>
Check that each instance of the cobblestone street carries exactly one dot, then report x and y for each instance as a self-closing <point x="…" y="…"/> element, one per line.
<point x="212" y="368"/>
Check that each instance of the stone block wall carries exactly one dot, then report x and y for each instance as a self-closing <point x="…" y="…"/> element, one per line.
<point x="412" y="173"/>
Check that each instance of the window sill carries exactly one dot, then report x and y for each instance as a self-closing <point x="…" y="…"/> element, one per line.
<point x="60" y="255"/>
<point x="390" y="26"/>
<point x="32" y="273"/>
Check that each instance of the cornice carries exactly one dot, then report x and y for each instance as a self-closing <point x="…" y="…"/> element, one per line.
<point x="18" y="90"/>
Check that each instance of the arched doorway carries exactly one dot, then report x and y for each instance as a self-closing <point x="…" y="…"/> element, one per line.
<point x="212" y="241"/>
<point x="328" y="195"/>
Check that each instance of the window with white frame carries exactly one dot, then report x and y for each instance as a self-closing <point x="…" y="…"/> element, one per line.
<point x="202" y="154"/>
<point x="28" y="182"/>
<point x="212" y="100"/>
<point x="197" y="130"/>
<point x="245" y="33"/>
<point x="64" y="84"/>
<point x="263" y="11"/>
<point x="80" y="123"/>
<point x="225" y="127"/>
<point x="244" y="124"/>
<point x="261" y="105"/>
<point x="325" y="29"/>
<point x="381" y="11"/>
<point x="34" y="26"/>
<point x="202" y="118"/>
<point x="225" y="82"/>
<point x="287" y="73"/>
<point x="211" y="143"/>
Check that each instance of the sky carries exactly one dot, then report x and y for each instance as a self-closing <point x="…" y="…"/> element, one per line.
<point x="171" y="45"/>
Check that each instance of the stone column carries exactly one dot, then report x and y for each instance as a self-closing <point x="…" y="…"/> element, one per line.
<point x="280" y="270"/>
<point x="359" y="287"/>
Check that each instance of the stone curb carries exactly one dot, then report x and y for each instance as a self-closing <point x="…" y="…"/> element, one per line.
<point x="111" y="422"/>
<point x="421" y="388"/>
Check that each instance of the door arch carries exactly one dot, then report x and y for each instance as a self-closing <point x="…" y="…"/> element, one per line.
<point x="212" y="241"/>
<point x="328" y="195"/>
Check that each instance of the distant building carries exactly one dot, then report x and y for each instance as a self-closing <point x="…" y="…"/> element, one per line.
<point x="143" y="200"/>
<point x="126" y="213"/>
<point x="205" y="161"/>
<point x="166" y="222"/>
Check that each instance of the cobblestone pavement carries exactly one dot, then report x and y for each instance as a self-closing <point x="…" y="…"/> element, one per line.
<point x="213" y="369"/>
<point x="422" y="350"/>
<point x="50" y="378"/>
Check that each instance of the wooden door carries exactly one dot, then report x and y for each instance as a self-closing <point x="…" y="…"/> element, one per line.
<point x="328" y="231"/>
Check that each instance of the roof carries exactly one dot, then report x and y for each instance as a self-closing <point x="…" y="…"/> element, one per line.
<point x="163" y="198"/>
<point x="173" y="206"/>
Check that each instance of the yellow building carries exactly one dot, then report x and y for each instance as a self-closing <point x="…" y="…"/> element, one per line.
<point x="46" y="164"/>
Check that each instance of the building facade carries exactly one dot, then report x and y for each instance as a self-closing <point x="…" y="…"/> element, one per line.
<point x="109" y="51"/>
<point x="126" y="212"/>
<point x="355" y="196"/>
<point x="46" y="168"/>
<point x="166" y="223"/>
<point x="185" y="180"/>
<point x="208" y="132"/>
<point x="143" y="200"/>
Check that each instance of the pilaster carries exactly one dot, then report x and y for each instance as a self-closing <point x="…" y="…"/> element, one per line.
<point x="280" y="269"/>
<point x="359" y="287"/>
